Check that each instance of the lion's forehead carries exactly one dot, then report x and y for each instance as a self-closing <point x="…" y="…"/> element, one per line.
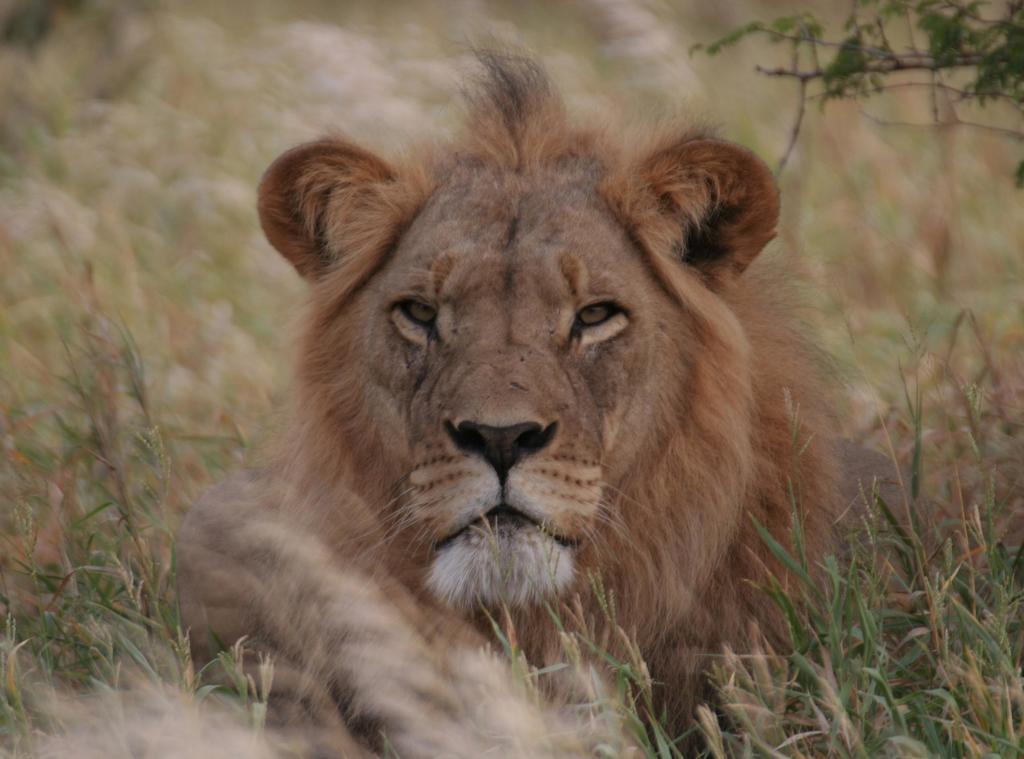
<point x="507" y="235"/>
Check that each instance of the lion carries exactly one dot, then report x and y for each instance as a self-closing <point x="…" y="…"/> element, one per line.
<point x="541" y="363"/>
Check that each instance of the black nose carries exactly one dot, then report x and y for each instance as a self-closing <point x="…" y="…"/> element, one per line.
<point x="501" y="446"/>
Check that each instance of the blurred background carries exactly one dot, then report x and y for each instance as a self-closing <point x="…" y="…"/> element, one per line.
<point x="133" y="134"/>
<point x="144" y="321"/>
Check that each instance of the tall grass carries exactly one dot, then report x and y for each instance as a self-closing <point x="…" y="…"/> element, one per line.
<point x="143" y="347"/>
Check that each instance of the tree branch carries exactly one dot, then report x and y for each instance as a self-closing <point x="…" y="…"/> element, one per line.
<point x="1004" y="131"/>
<point x="904" y="62"/>
<point x="795" y="131"/>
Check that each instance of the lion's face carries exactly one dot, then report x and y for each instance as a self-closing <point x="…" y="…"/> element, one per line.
<point x="514" y="332"/>
<point x="505" y="336"/>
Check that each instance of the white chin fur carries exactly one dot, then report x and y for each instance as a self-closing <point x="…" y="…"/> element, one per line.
<point x="519" y="569"/>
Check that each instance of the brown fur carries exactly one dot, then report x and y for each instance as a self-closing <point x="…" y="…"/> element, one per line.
<point x="698" y="411"/>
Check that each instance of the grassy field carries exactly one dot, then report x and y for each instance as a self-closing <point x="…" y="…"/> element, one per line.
<point x="144" y="335"/>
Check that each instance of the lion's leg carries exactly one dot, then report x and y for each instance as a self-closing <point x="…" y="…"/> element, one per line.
<point x="391" y="666"/>
<point x="212" y="593"/>
<point x="220" y="597"/>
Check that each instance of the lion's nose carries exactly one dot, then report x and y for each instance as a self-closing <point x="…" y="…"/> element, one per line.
<point x="502" y="447"/>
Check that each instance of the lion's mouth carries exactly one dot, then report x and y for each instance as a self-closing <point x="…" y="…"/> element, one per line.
<point x="503" y="521"/>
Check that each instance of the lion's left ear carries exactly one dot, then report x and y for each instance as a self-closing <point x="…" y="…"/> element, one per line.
<point x="713" y="204"/>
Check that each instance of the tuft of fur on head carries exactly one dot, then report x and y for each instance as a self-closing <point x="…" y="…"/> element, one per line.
<point x="515" y="119"/>
<point x="512" y="92"/>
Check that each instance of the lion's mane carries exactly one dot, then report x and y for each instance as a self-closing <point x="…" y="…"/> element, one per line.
<point x="740" y="437"/>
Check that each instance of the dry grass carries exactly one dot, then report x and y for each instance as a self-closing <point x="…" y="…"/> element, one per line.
<point x="143" y="345"/>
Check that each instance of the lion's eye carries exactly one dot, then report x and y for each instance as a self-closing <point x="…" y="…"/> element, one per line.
<point x="418" y="312"/>
<point x="596" y="314"/>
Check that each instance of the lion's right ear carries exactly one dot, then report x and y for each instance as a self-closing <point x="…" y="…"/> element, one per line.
<point x="321" y="198"/>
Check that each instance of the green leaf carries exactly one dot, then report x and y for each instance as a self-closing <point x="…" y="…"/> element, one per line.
<point x="733" y="37"/>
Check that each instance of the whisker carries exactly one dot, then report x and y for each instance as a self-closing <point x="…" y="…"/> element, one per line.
<point x="622" y="493"/>
<point x="407" y="516"/>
